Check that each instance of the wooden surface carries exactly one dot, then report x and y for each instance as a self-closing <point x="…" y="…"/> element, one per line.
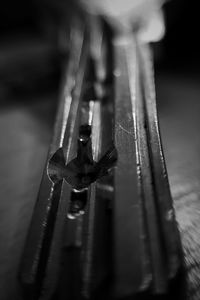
<point x="179" y="110"/>
<point x="25" y="132"/>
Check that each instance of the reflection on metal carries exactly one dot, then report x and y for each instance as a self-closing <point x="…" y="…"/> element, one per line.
<point x="104" y="225"/>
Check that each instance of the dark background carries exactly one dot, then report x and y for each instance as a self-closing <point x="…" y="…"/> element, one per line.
<point x="32" y="56"/>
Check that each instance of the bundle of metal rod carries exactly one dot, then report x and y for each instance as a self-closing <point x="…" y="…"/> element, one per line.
<point x="103" y="225"/>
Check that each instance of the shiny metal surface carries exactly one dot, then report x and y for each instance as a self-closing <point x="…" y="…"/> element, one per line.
<point x="178" y="105"/>
<point x="136" y="137"/>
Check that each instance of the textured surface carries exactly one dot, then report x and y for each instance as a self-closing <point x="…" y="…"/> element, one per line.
<point x="179" y="110"/>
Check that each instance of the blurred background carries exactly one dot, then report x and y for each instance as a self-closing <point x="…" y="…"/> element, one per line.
<point x="33" y="54"/>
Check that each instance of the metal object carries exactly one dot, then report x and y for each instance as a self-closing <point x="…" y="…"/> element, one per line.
<point x="104" y="225"/>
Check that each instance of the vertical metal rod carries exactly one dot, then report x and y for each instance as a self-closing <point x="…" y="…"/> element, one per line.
<point x="163" y="196"/>
<point x="131" y="260"/>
